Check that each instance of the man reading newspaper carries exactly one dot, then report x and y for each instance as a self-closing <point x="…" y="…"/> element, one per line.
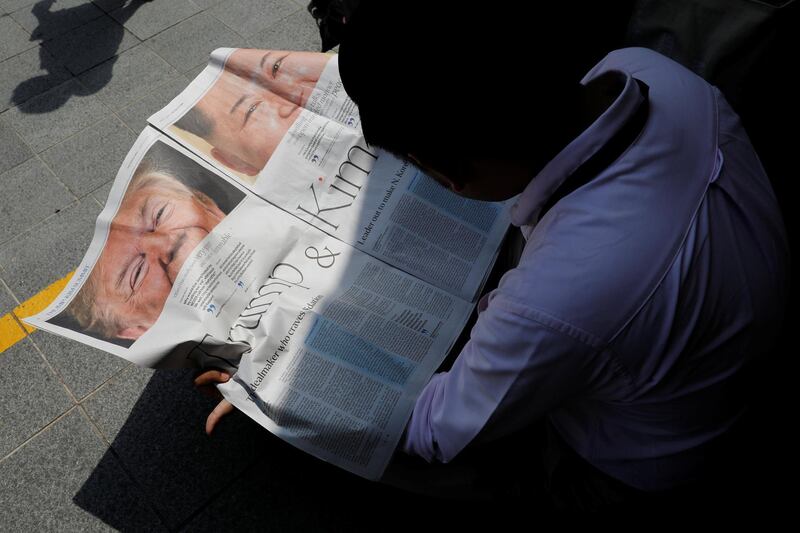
<point x="655" y="265"/>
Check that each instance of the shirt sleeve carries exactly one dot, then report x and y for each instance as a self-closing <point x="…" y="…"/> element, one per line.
<point x="518" y="364"/>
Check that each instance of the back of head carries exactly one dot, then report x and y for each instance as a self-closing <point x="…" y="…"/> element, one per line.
<point x="441" y="79"/>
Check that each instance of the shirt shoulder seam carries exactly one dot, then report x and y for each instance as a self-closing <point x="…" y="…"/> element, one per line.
<point x="682" y="242"/>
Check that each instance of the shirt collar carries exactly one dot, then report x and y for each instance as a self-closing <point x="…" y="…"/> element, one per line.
<point x="526" y="210"/>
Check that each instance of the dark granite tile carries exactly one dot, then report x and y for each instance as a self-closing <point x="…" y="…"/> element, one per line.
<point x="86" y="46"/>
<point x="145" y="19"/>
<point x="66" y="480"/>
<point x="180" y="468"/>
<point x="247" y="17"/>
<point x="82" y="368"/>
<point x="13" y="150"/>
<point x="30" y="193"/>
<point x="48" y="251"/>
<point x="296" y="32"/>
<point x="28" y="74"/>
<point x="189" y="44"/>
<point x="55" y="115"/>
<point x="45" y="20"/>
<point x="30" y="395"/>
<point x="88" y="160"/>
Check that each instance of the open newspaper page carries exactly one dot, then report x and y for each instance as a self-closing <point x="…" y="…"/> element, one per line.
<point x="328" y="346"/>
<point x="281" y="125"/>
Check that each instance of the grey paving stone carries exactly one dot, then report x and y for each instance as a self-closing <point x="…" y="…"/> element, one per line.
<point x="110" y="5"/>
<point x="112" y="405"/>
<point x="132" y="75"/>
<point x="30" y="193"/>
<point x="88" y="160"/>
<point x="81" y="367"/>
<point x="13" y="39"/>
<point x="264" y="498"/>
<point x="49" y="251"/>
<point x="193" y="73"/>
<point x="45" y="20"/>
<point x="101" y="193"/>
<point x="9" y="6"/>
<point x="13" y="150"/>
<point x="30" y="73"/>
<point x="65" y="480"/>
<point x="189" y="44"/>
<point x="296" y="32"/>
<point x="136" y="115"/>
<point x="147" y="19"/>
<point x="250" y="16"/>
<point x="86" y="46"/>
<point x="157" y="432"/>
<point x="7" y="301"/>
<point x="205" y="4"/>
<point x="30" y="395"/>
<point x="55" y="115"/>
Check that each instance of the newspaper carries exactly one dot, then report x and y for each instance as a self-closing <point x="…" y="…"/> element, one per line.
<point x="251" y="228"/>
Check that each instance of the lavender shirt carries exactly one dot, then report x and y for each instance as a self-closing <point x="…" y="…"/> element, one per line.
<point x="636" y="298"/>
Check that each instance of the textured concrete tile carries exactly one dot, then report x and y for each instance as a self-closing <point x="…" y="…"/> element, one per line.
<point x="7" y="301"/>
<point x="265" y="498"/>
<point x="193" y="73"/>
<point x="81" y="367"/>
<point x="30" y="73"/>
<point x="296" y="32"/>
<point x="86" y="46"/>
<point x="110" y="5"/>
<point x="30" y="395"/>
<point x="157" y="432"/>
<point x="250" y="16"/>
<point x="113" y="404"/>
<point x="131" y="76"/>
<point x="205" y="4"/>
<point x="147" y="19"/>
<point x="13" y="150"/>
<point x="88" y="160"/>
<point x="45" y="21"/>
<point x="101" y="193"/>
<point x="136" y="115"/>
<point x="55" y="115"/>
<point x="13" y="39"/>
<point x="190" y="43"/>
<point x="30" y="193"/>
<point x="9" y="6"/>
<point x="65" y="480"/>
<point x="49" y="251"/>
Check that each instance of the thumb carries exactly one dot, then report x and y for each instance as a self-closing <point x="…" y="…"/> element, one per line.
<point x="223" y="408"/>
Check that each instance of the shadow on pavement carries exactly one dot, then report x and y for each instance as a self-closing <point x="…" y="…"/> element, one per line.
<point x="240" y="478"/>
<point x="104" y="44"/>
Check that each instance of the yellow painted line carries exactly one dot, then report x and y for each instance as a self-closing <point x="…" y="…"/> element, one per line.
<point x="12" y="330"/>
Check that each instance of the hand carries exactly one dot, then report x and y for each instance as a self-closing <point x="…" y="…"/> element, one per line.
<point x="205" y="384"/>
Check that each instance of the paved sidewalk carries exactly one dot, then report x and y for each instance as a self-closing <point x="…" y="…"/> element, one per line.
<point x="87" y="441"/>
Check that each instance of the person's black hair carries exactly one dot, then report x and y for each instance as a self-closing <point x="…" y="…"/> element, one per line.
<point x="443" y="80"/>
<point x="331" y="17"/>
<point x="196" y="122"/>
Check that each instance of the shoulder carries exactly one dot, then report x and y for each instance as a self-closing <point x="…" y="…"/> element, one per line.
<point x="638" y="61"/>
<point x="679" y="98"/>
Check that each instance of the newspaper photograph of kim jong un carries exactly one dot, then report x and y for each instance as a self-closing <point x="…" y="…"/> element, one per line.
<point x="252" y="229"/>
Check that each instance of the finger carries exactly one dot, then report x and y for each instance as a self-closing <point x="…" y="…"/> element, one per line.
<point x="211" y="376"/>
<point x="223" y="408"/>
